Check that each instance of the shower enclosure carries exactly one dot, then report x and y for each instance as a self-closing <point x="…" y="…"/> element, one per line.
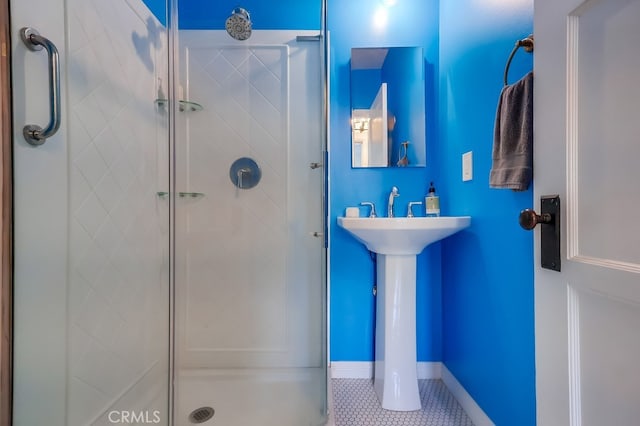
<point x="169" y="237"/>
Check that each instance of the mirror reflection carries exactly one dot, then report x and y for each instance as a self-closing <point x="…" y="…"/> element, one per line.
<point x="387" y="107"/>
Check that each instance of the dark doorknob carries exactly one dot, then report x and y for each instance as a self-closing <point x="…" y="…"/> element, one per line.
<point x="529" y="218"/>
<point x="549" y="233"/>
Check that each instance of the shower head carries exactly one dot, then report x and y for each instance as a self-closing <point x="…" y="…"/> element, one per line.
<point x="239" y="24"/>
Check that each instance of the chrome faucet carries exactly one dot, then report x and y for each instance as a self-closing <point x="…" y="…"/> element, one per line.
<point x="392" y="195"/>
<point x="372" y="213"/>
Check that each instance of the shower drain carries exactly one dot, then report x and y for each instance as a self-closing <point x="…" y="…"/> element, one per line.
<point x="201" y="415"/>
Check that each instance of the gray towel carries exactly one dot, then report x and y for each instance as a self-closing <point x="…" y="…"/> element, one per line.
<point x="513" y="137"/>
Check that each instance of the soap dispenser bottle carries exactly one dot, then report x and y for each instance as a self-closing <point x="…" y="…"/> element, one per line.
<point x="432" y="202"/>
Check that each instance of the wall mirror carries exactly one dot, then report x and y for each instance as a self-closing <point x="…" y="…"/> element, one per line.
<point x="388" y="107"/>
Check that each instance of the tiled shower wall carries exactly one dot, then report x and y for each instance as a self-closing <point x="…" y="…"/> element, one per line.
<point x="248" y="265"/>
<point x="118" y="279"/>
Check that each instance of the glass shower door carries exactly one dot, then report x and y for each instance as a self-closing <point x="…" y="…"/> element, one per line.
<point x="250" y="287"/>
<point x="91" y="275"/>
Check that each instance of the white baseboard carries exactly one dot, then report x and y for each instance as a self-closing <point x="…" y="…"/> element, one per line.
<point x="351" y="370"/>
<point x="426" y="370"/>
<point x="473" y="410"/>
<point x="429" y="370"/>
<point x="364" y="370"/>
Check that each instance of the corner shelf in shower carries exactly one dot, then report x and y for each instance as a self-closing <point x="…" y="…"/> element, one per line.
<point x="183" y="106"/>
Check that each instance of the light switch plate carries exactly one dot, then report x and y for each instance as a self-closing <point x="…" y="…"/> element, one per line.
<point x="467" y="166"/>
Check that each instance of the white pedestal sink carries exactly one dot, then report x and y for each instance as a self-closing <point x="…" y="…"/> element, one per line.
<point x="397" y="242"/>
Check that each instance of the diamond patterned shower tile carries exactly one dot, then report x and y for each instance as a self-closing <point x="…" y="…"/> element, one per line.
<point x="126" y="175"/>
<point x="90" y="115"/>
<point x="236" y="56"/>
<point x="269" y="151"/>
<point x="90" y="262"/>
<point x="91" y="214"/>
<point x="107" y="13"/>
<point x="108" y="146"/>
<point x="79" y="188"/>
<point x="107" y="328"/>
<point x="108" y="237"/>
<point x="78" y="137"/>
<point x="272" y="60"/>
<point x="90" y="312"/>
<point x="220" y="69"/>
<point x="107" y="283"/>
<point x="267" y="116"/>
<point x="205" y="57"/>
<point x="233" y="115"/>
<point x="84" y="72"/>
<point x="77" y="37"/>
<point x="121" y="215"/>
<point x="88" y="17"/>
<point x="107" y="59"/>
<point x="264" y="81"/>
<point x="254" y="106"/>
<point x="235" y="87"/>
<point x="122" y="128"/>
<point x="108" y="191"/>
<point x="125" y="55"/>
<point x="87" y="401"/>
<point x="95" y="377"/>
<point x="91" y="165"/>
<point x="109" y="103"/>
<point x="79" y="241"/>
<point x="113" y="175"/>
<point x="134" y="154"/>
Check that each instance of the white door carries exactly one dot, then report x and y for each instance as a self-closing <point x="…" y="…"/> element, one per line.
<point x="587" y="145"/>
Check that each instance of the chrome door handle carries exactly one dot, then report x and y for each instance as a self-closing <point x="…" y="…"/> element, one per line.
<point x="34" y="134"/>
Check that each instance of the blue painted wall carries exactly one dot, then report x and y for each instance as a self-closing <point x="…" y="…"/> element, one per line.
<point x="158" y="8"/>
<point x="352" y="24"/>
<point x="487" y="271"/>
<point x="265" y="15"/>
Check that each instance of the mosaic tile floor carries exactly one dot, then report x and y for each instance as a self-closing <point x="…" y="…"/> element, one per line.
<point x="355" y="404"/>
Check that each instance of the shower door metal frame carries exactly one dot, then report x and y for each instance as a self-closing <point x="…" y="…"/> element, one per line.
<point x="6" y="220"/>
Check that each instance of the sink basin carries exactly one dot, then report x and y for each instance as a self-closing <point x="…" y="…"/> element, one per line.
<point x="402" y="235"/>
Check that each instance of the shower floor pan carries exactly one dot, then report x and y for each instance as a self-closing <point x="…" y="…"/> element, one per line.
<point x="269" y="397"/>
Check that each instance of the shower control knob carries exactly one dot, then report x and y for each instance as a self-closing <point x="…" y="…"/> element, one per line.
<point x="529" y="219"/>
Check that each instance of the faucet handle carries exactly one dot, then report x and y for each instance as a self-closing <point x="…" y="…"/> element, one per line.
<point x="409" y="207"/>
<point x="372" y="213"/>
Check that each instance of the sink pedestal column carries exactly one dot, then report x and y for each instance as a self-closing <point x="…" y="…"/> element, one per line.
<point x="396" y="378"/>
